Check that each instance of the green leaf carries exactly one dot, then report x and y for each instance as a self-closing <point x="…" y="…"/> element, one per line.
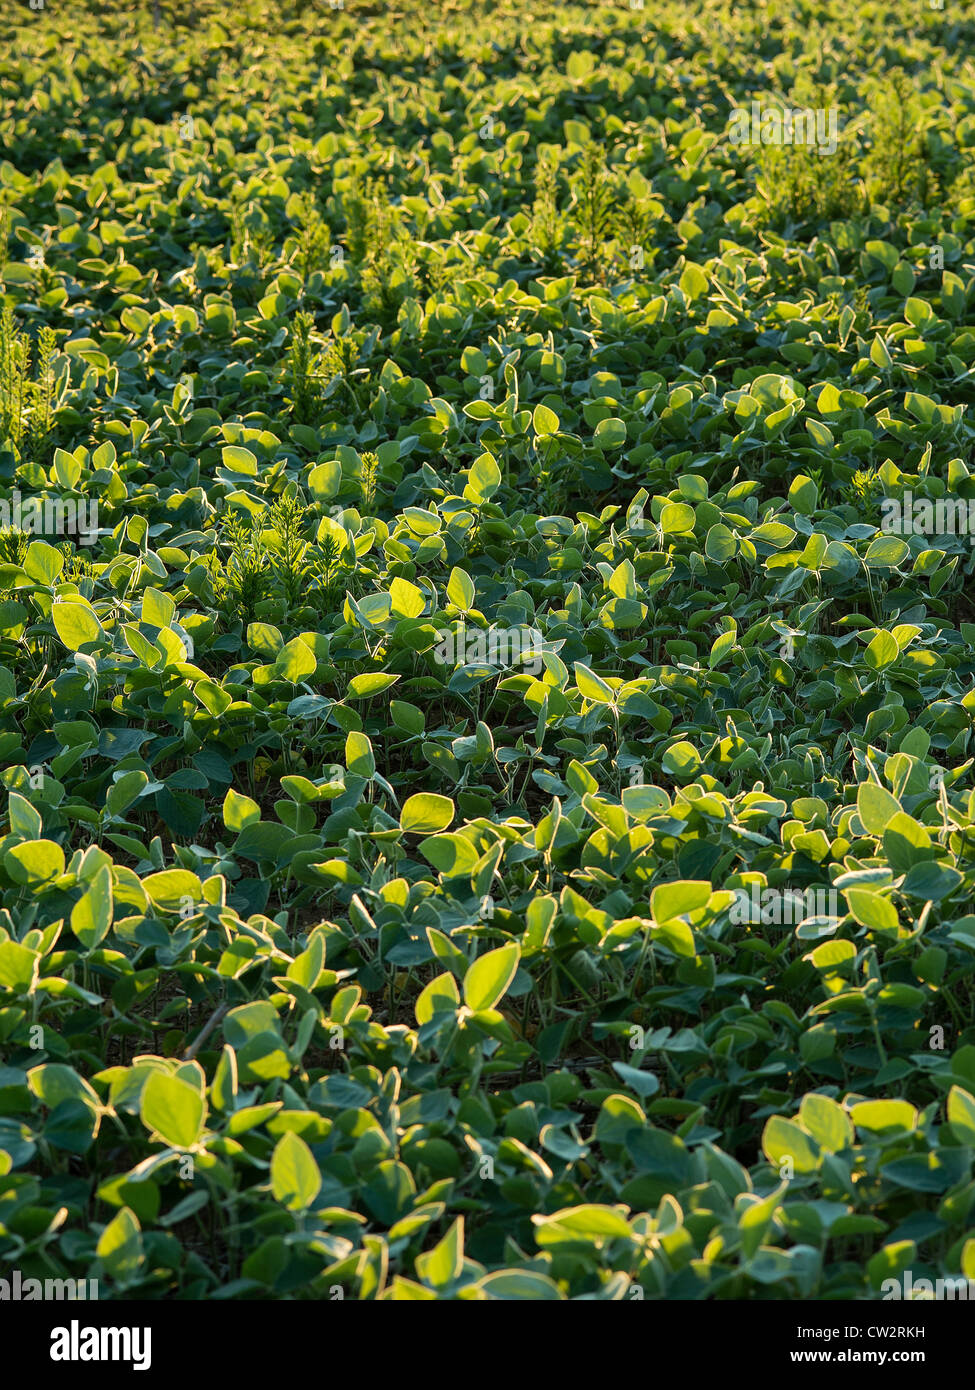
<point x="370" y="683"/>
<point x="223" y="1092"/>
<point x="483" y="479"/>
<point x="359" y="757"/>
<point x="158" y="609"/>
<point x="803" y="495"/>
<point x="487" y="980"/>
<point x="91" y="915"/>
<point x="460" y="590"/>
<point x="623" y="580"/>
<point x="265" y="639"/>
<point x="677" y="519"/>
<point x="882" y="652"/>
<point x="891" y="1262"/>
<point x="720" y="544"/>
<point x="126" y="790"/>
<point x="120" y="1248"/>
<point x="545" y="421"/>
<point x="902" y="278"/>
<point x="885" y="1117"/>
<point x="300" y="789"/>
<point x="239" y="810"/>
<point x="610" y="434"/>
<point x="25" y="819"/>
<point x="828" y="1123"/>
<point x="886" y="552"/>
<point x="590" y="685"/>
<point x="519" y="1285"/>
<point x="75" y="624"/>
<point x="174" y="1109"/>
<point x="645" y="1083"/>
<point x="240" y="460"/>
<point x="173" y="889"/>
<point x="588" y="1224"/>
<point x="783" y="1140"/>
<point x="43" y="562"/>
<point x="444" y="1263"/>
<point x="305" y="969"/>
<point x="295" y="661"/>
<point x="18" y="967"/>
<point x="324" y="480"/>
<point x="675" y="934"/>
<point x="35" y="863"/>
<point x="406" y="599"/>
<point x="295" y="1176"/>
<point x="669" y="900"/>
<point x="876" y="807"/>
<point x="681" y="761"/>
<point x="721" y="647"/>
<point x="872" y="909"/>
<point x="440" y="995"/>
<point x="426" y="813"/>
<point x="755" y="1219"/>
<point x="931" y="881"/>
<point x="54" y="1083"/>
<point x="390" y="1191"/>
<point x="450" y="855"/>
<point x="961" y="1116"/>
<point x="693" y="281"/>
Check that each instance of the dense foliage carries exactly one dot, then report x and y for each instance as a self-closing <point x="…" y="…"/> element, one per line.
<point x="346" y="950"/>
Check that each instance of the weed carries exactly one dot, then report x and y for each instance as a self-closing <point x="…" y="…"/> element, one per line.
<point x="896" y="169"/>
<point x="304" y="377"/>
<point x="593" y="209"/>
<point x="14" y="366"/>
<point x="546" y="227"/>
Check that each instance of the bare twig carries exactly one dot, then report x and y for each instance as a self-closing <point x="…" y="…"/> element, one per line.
<point x="208" y="1028"/>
